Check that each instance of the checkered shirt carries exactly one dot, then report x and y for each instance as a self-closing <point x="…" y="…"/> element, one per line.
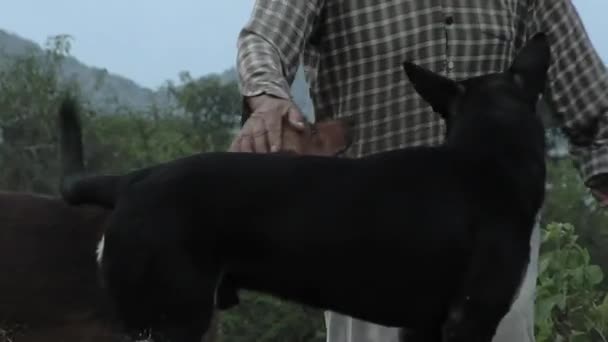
<point x="352" y="52"/>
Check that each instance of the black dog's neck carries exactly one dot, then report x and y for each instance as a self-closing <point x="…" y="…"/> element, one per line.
<point x="489" y="133"/>
<point x="507" y="147"/>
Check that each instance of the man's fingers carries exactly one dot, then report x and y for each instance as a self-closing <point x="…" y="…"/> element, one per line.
<point x="258" y="134"/>
<point x="266" y="126"/>
<point x="245" y="140"/>
<point x="235" y="144"/>
<point x="296" y="118"/>
<point x="274" y="127"/>
<point x="247" y="144"/>
<point x="601" y="197"/>
<point x="260" y="144"/>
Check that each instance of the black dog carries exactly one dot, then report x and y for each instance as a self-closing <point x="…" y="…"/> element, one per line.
<point x="433" y="239"/>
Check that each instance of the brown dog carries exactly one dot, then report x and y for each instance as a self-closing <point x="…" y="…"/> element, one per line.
<point x="48" y="268"/>
<point x="324" y="138"/>
<point x="48" y="271"/>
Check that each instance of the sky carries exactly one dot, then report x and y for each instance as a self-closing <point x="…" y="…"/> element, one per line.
<point x="151" y="41"/>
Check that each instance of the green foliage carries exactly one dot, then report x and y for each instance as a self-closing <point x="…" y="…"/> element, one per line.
<point x="29" y="94"/>
<point x="132" y="140"/>
<point x="568" y="200"/>
<point x="203" y="119"/>
<point x="261" y="318"/>
<point x="211" y="105"/>
<point x="570" y="306"/>
<point x="571" y="302"/>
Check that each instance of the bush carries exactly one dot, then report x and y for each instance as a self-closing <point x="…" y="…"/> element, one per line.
<point x="570" y="306"/>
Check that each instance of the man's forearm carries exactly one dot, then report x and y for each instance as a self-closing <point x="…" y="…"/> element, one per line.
<point x="578" y="84"/>
<point x="259" y="68"/>
<point x="259" y="72"/>
<point x="270" y="44"/>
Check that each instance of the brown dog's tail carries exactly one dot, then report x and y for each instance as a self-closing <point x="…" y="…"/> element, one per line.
<point x="75" y="186"/>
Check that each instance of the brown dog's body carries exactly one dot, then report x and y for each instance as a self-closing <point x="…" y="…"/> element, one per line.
<point x="48" y="269"/>
<point x="48" y="272"/>
<point x="36" y="235"/>
<point x="324" y="138"/>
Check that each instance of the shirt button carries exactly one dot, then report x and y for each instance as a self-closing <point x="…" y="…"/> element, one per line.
<point x="449" y="20"/>
<point x="450" y="65"/>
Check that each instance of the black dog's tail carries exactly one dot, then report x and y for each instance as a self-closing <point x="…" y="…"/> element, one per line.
<point x="70" y="138"/>
<point x="75" y="186"/>
<point x="96" y="190"/>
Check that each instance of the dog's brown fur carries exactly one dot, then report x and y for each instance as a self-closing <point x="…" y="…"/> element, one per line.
<point x="48" y="267"/>
<point x="324" y="138"/>
<point x="48" y="271"/>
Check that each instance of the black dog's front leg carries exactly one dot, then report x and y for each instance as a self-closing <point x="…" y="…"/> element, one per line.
<point x="226" y="295"/>
<point x="491" y="283"/>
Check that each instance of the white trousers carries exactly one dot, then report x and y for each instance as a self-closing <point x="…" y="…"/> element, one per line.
<point x="516" y="326"/>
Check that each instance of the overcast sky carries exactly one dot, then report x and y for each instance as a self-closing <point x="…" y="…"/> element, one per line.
<point x="150" y="41"/>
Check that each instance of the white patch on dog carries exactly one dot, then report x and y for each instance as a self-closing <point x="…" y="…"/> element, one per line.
<point x="99" y="250"/>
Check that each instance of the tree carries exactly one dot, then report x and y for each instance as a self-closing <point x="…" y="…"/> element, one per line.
<point x="570" y="305"/>
<point x="213" y="107"/>
<point x="29" y="95"/>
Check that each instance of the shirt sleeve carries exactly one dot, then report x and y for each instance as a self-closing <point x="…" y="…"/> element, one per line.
<point x="270" y="44"/>
<point x="578" y="84"/>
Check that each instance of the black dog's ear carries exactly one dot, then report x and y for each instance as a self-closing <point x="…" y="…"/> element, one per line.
<point x="439" y="91"/>
<point x="529" y="69"/>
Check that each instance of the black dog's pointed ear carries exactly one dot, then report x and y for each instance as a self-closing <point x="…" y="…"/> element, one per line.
<point x="530" y="66"/>
<point x="439" y="91"/>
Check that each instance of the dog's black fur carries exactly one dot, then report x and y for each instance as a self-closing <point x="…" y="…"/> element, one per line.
<point x="433" y="239"/>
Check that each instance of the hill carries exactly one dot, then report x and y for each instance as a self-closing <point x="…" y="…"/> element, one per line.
<point x="107" y="90"/>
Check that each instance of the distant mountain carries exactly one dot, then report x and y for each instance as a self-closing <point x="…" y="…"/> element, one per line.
<point x="116" y="90"/>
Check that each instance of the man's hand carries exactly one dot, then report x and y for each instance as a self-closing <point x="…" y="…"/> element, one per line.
<point x="601" y="195"/>
<point x="599" y="189"/>
<point x="262" y="132"/>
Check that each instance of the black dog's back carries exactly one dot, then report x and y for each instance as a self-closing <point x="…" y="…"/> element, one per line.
<point x="356" y="233"/>
<point x="352" y="234"/>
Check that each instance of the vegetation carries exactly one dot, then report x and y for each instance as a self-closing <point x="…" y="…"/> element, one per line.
<point x="572" y="304"/>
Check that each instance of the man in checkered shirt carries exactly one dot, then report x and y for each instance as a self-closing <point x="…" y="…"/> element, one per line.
<point x="353" y="50"/>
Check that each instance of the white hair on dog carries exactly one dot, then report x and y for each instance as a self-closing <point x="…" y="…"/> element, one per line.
<point x="99" y="250"/>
